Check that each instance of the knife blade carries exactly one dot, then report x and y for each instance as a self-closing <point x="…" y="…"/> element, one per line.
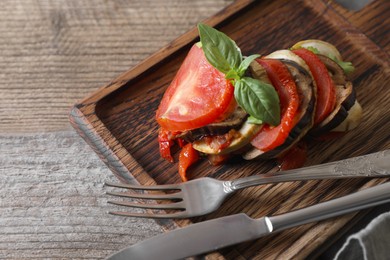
<point x="214" y="234"/>
<point x="197" y="238"/>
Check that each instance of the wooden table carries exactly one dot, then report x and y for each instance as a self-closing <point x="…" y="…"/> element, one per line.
<point x="52" y="55"/>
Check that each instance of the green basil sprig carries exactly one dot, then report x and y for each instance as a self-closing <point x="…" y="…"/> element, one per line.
<point x="257" y="98"/>
<point x="347" y="66"/>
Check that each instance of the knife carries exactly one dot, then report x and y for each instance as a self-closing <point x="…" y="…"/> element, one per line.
<point x="214" y="234"/>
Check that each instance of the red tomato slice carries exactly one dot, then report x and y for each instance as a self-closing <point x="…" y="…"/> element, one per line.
<point x="326" y="95"/>
<point x="271" y="137"/>
<point x="198" y="95"/>
<point x="188" y="156"/>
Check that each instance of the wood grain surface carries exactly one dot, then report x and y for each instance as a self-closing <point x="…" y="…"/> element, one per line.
<point x="118" y="120"/>
<point x="52" y="203"/>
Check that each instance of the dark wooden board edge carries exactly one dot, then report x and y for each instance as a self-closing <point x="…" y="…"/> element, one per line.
<point x="84" y="128"/>
<point x="355" y="36"/>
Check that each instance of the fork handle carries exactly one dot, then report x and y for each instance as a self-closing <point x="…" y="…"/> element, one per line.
<point x="371" y="165"/>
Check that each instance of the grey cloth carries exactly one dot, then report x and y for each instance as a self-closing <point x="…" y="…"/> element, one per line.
<point x="371" y="243"/>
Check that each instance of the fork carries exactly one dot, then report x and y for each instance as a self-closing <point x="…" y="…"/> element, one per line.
<point x="204" y="195"/>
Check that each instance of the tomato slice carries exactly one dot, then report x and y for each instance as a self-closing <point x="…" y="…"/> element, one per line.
<point x="198" y="95"/>
<point x="326" y="94"/>
<point x="271" y="137"/>
<point x="188" y="156"/>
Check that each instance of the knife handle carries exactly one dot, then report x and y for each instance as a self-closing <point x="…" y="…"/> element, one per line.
<point x="371" y="165"/>
<point x="370" y="197"/>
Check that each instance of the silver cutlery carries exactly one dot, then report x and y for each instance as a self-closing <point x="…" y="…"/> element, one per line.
<point x="204" y="195"/>
<point x="214" y="234"/>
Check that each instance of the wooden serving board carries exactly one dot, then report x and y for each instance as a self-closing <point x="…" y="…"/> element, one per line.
<point x="118" y="121"/>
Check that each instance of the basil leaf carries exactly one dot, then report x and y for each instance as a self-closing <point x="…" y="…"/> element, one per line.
<point x="313" y="49"/>
<point x="221" y="51"/>
<point x="258" y="99"/>
<point x="245" y="64"/>
<point x="255" y="121"/>
<point x="232" y="74"/>
<point x="345" y="65"/>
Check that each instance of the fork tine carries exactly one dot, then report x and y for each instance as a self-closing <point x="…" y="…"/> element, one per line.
<point x="181" y="214"/>
<point x="177" y="205"/>
<point x="147" y="196"/>
<point x="140" y="187"/>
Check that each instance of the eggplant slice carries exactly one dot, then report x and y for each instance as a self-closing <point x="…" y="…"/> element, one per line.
<point x="347" y="112"/>
<point x="304" y="117"/>
<point x="233" y="121"/>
